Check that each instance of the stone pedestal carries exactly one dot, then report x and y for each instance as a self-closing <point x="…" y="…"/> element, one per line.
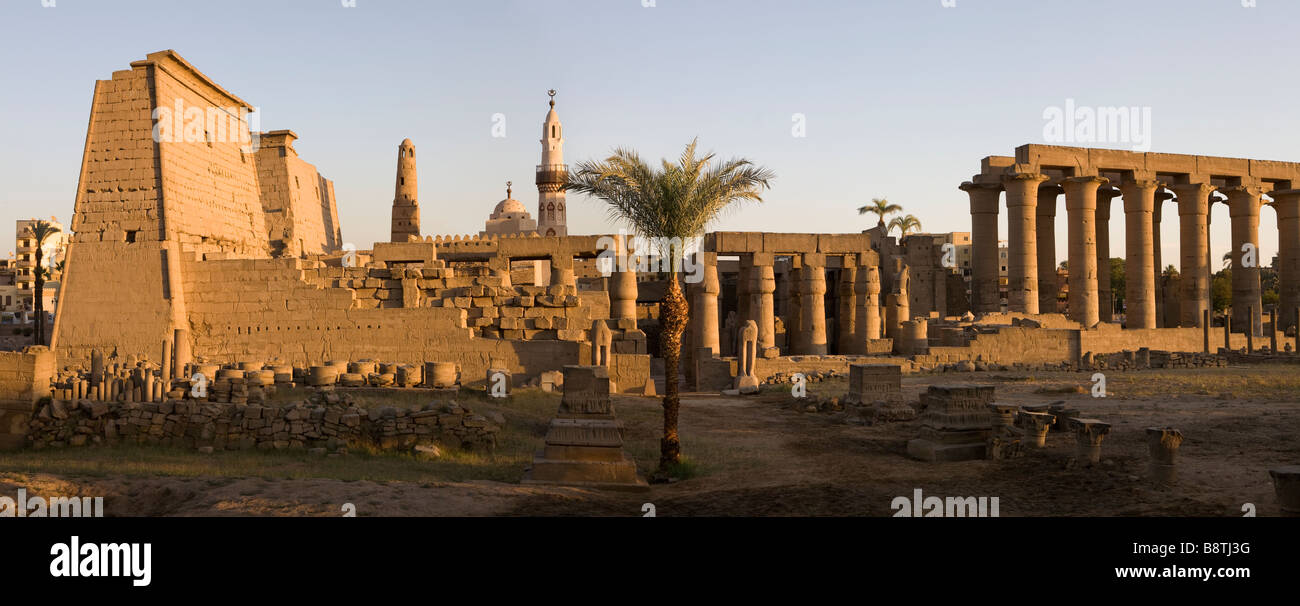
<point x="584" y="443"/>
<point x="1089" y="433"/>
<point x="1035" y="425"/>
<point x="1162" y="444"/>
<point x="1286" y="483"/>
<point x="956" y="424"/>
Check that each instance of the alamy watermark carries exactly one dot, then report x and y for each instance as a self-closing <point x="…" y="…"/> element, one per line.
<point x="182" y="123"/>
<point x="1105" y="125"/>
<point x="54" y="507"/>
<point x="921" y="506"/>
<point x="647" y="254"/>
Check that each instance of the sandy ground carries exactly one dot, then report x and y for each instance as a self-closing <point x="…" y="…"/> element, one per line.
<point x="760" y="457"/>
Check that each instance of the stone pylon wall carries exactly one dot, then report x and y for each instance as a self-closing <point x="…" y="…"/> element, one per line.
<point x="142" y="200"/>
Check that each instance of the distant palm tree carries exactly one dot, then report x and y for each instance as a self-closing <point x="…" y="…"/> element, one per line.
<point x="673" y="201"/>
<point x="40" y="231"/>
<point x="905" y="225"/>
<point x="1227" y="260"/>
<point x="881" y="208"/>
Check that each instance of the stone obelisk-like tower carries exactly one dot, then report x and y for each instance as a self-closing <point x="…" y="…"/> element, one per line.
<point x="406" y="204"/>
<point x="551" y="175"/>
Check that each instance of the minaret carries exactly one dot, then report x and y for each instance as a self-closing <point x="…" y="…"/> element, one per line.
<point x="406" y="204"/>
<point x="551" y="175"/>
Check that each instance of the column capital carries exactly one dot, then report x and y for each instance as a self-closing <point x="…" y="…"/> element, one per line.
<point x="1193" y="198"/>
<point x="1023" y="177"/>
<point x="763" y="259"/>
<point x="1086" y="179"/>
<point x="1050" y="189"/>
<point x="1251" y="190"/>
<point x="1138" y="187"/>
<point x="814" y="259"/>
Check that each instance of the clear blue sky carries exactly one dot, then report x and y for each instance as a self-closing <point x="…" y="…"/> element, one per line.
<point x="902" y="97"/>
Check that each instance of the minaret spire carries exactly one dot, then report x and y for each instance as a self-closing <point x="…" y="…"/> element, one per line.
<point x="551" y="176"/>
<point x="406" y="204"/>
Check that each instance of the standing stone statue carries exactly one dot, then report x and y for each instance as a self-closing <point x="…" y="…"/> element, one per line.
<point x="747" y="355"/>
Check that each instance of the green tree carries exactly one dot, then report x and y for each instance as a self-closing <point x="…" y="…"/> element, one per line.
<point x="39" y="232"/>
<point x="1221" y="290"/>
<point x="1117" y="283"/>
<point x="905" y="225"/>
<point x="675" y="201"/>
<point x="881" y="208"/>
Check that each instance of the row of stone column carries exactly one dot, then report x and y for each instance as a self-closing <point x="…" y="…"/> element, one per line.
<point x="858" y="314"/>
<point x="1031" y="248"/>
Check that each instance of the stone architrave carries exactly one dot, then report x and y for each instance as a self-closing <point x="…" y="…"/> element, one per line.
<point x="584" y="443"/>
<point x="747" y="354"/>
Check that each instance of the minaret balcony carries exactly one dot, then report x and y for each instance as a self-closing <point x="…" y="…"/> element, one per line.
<point x="552" y="173"/>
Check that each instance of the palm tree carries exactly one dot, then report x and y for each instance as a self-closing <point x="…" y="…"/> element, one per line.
<point x="673" y="201"/>
<point x="1227" y="260"/>
<point x="880" y="207"/>
<point x="40" y="231"/>
<point x="905" y="225"/>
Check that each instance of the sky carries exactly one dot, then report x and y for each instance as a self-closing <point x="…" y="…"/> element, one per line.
<point x="893" y="98"/>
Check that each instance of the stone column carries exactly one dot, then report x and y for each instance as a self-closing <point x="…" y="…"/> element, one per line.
<point x="812" y="304"/>
<point x="1080" y="207"/>
<point x="1140" y="291"/>
<point x="562" y="271"/>
<point x="705" y="313"/>
<point x="1022" y="247"/>
<point x="845" y="323"/>
<point x="763" y="287"/>
<point x="181" y="351"/>
<point x="1048" y="288"/>
<point x="1105" y="299"/>
<point x="793" y="315"/>
<point x="868" y="290"/>
<point x="1287" y="204"/>
<point x="623" y="293"/>
<point x="984" y="246"/>
<point x="1193" y="212"/>
<point x="1243" y="202"/>
<point x="1158" y="202"/>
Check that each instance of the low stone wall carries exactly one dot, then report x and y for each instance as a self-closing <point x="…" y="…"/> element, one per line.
<point x="327" y="423"/>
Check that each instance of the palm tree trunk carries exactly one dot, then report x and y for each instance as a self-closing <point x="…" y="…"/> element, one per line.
<point x="37" y="303"/>
<point x="673" y="316"/>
